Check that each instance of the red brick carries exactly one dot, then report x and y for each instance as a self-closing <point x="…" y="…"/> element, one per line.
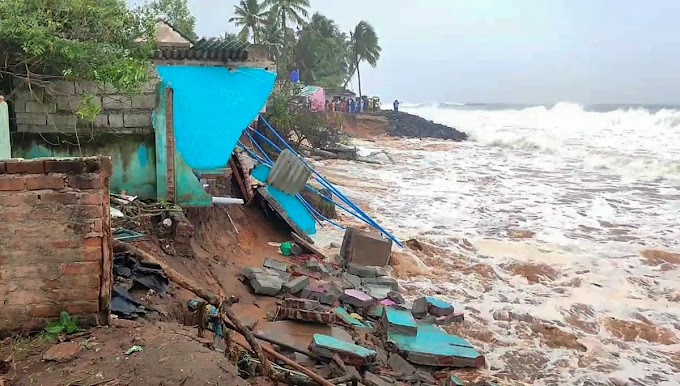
<point x="12" y="183"/>
<point x="107" y="167"/>
<point x="92" y="165"/>
<point x="18" y="199"/>
<point x="97" y="225"/>
<point x="85" y="181"/>
<point x="76" y="295"/>
<point x="89" y="211"/>
<point x="91" y="254"/>
<point x="81" y="281"/>
<point x="69" y="166"/>
<point x="25" y="167"/>
<point x="91" y="199"/>
<point x="44" y="310"/>
<point x="3" y="167"/>
<point x="49" y="181"/>
<point x="22" y="297"/>
<point x="92" y="243"/>
<point x="82" y="307"/>
<point x="84" y="268"/>
<point x="65" y="198"/>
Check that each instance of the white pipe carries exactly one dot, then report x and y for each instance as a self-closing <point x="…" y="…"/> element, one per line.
<point x="227" y="200"/>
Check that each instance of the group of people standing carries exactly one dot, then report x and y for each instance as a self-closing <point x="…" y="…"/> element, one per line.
<point x="353" y="106"/>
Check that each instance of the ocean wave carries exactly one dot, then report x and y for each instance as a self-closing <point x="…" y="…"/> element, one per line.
<point x="627" y="140"/>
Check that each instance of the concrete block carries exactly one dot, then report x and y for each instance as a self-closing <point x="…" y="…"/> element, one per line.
<point x="381" y="281"/>
<point x="20" y="106"/>
<point x="314" y="265"/>
<point x="399" y="321"/>
<point x="396" y="297"/>
<point x="400" y="365"/>
<point x="144" y="101"/>
<point x="369" y="249"/>
<point x="33" y="106"/>
<point x="59" y="120"/>
<point x="378" y="291"/>
<point x="356" y="298"/>
<point x="83" y="88"/>
<point x="362" y="271"/>
<point x="266" y="284"/>
<point x="64" y="87"/>
<point x="116" y="120"/>
<point x="433" y="306"/>
<point x="371" y="379"/>
<point x="276" y="264"/>
<point x="74" y="102"/>
<point x="31" y="118"/>
<point x="137" y="119"/>
<point x="354" y="280"/>
<point x="296" y="285"/>
<point x="326" y="346"/>
<point x="456" y="317"/>
<point x="116" y="102"/>
<point x="102" y="120"/>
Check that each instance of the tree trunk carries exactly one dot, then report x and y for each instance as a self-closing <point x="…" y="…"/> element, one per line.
<point x="285" y="40"/>
<point x="359" y="79"/>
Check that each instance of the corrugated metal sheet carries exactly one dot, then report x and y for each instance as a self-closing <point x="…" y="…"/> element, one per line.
<point x="289" y="173"/>
<point x="206" y="49"/>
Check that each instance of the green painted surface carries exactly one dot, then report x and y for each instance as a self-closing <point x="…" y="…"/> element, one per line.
<point x="188" y="188"/>
<point x="5" y="147"/>
<point x="133" y="156"/>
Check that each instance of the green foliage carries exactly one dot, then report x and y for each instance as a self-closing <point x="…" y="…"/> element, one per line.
<point x="288" y="113"/>
<point x="321" y="53"/>
<point x="324" y="55"/>
<point x="364" y="47"/>
<point x="88" y="110"/>
<point x="251" y="16"/>
<point x="175" y="12"/>
<point x="94" y="40"/>
<point x="65" y="326"/>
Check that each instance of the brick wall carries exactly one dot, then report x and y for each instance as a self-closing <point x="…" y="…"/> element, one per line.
<point x="52" y="110"/>
<point x="55" y="241"/>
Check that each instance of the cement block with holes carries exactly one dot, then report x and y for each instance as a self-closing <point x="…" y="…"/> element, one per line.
<point x="368" y="249"/>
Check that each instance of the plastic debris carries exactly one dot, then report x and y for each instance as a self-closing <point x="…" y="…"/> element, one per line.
<point x="134" y="349"/>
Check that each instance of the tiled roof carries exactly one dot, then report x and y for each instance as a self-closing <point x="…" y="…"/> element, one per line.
<point x="206" y="49"/>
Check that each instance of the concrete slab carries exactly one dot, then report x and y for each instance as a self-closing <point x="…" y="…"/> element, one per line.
<point x="433" y="347"/>
<point x="357" y="298"/>
<point x="399" y="321"/>
<point x="351" y="354"/>
<point x="369" y="249"/>
<point x="296" y="285"/>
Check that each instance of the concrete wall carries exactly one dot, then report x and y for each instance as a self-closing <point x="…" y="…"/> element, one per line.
<point x="55" y="241"/>
<point x="52" y="111"/>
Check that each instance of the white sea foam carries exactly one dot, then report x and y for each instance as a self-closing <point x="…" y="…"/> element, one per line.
<point x="596" y="188"/>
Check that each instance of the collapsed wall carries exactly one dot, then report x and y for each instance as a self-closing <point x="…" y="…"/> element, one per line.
<point x="55" y="241"/>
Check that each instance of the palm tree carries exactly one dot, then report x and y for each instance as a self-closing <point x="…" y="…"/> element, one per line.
<point x="250" y="15"/>
<point x="287" y="10"/>
<point x="364" y="47"/>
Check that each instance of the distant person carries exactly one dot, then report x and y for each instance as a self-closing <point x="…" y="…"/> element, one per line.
<point x="377" y="105"/>
<point x="396" y="105"/>
<point x="352" y="106"/>
<point x="360" y="105"/>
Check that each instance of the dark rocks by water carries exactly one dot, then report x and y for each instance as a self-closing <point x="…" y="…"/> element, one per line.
<point x="412" y="126"/>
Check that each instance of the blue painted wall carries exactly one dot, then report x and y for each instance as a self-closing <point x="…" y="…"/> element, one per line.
<point x="213" y="106"/>
<point x="291" y="204"/>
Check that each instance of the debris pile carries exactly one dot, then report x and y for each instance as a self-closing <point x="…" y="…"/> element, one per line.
<point x="389" y="340"/>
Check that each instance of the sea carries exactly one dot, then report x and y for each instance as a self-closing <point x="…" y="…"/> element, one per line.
<point x="555" y="229"/>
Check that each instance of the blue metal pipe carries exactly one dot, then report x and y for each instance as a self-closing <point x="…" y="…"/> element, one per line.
<point x="363" y="216"/>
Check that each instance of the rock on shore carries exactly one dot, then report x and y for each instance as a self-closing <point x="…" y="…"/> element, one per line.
<point x="412" y="126"/>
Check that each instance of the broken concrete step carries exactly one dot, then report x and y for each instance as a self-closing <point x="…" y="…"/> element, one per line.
<point x="296" y="285"/>
<point x="303" y="304"/>
<point x="433" y="347"/>
<point x="433" y="306"/>
<point x="326" y="346"/>
<point x="382" y="282"/>
<point x="356" y="298"/>
<point x="399" y="321"/>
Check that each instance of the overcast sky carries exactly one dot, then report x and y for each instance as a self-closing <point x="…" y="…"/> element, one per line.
<point x="515" y="51"/>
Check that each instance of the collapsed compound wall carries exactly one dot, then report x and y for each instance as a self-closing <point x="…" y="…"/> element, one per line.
<point x="55" y="241"/>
